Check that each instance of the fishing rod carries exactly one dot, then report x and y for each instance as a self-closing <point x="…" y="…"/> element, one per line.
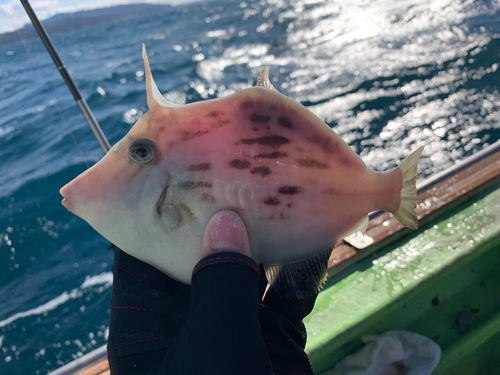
<point x="80" y="101"/>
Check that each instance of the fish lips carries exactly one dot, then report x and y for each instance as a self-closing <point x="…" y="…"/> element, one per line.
<point x="66" y="202"/>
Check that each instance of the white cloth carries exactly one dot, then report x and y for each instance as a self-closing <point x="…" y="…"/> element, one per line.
<point x="391" y="353"/>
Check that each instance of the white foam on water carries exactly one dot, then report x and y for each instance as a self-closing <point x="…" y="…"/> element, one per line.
<point x="5" y="131"/>
<point x="105" y="279"/>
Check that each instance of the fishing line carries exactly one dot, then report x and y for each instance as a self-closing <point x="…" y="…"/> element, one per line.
<point x="48" y="90"/>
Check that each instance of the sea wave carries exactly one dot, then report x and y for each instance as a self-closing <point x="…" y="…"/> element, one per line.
<point x="104" y="280"/>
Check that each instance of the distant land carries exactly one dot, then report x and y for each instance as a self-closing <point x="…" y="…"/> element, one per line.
<point x="64" y="22"/>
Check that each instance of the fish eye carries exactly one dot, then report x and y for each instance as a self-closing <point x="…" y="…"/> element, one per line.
<point x="142" y="151"/>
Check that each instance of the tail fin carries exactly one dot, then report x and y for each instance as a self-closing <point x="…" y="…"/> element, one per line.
<point x="406" y="213"/>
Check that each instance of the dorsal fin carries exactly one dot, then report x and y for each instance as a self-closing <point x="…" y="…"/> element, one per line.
<point x="155" y="98"/>
<point x="263" y="80"/>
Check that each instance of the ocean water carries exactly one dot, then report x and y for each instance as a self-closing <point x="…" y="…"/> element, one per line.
<point x="388" y="76"/>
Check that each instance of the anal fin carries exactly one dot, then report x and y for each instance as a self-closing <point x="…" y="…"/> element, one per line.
<point x="300" y="279"/>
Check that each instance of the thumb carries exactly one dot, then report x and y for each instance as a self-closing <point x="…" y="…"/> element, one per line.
<point x="225" y="232"/>
<point x="222" y="331"/>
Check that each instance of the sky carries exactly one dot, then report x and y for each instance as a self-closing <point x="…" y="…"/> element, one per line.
<point x="13" y="16"/>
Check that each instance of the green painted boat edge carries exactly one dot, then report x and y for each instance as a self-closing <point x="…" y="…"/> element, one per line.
<point x="333" y="334"/>
<point x="480" y="348"/>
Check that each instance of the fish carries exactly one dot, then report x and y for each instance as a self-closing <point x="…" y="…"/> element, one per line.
<point x="298" y="187"/>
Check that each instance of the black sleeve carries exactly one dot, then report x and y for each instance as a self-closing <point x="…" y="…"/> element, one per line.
<point x="284" y="331"/>
<point x="221" y="335"/>
<point x="159" y="326"/>
<point x="148" y="310"/>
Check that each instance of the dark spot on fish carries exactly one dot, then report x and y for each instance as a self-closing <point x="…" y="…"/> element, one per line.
<point x="289" y="205"/>
<point x="272" y="201"/>
<point x="330" y="191"/>
<point x="221" y="123"/>
<point x="162" y="128"/>
<point x="208" y="198"/>
<point x="271" y="155"/>
<point x="435" y="301"/>
<point x="239" y="164"/>
<point x="246" y="104"/>
<point x="194" y="184"/>
<point x="199" y="167"/>
<point x="263" y="171"/>
<point x="328" y="144"/>
<point x="289" y="190"/>
<point x="188" y="135"/>
<point x="280" y="216"/>
<point x="255" y="128"/>
<point x="214" y="114"/>
<point x="285" y="122"/>
<point x="273" y="141"/>
<point x="255" y="117"/>
<point x="312" y="163"/>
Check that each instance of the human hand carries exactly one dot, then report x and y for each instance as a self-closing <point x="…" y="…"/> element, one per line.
<point x="221" y="334"/>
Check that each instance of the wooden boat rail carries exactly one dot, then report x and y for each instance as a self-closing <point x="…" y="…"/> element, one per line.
<point x="437" y="195"/>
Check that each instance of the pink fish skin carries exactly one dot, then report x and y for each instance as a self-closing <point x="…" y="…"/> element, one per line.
<point x="297" y="185"/>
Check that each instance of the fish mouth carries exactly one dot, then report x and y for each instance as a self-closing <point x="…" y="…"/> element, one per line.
<point x="161" y="200"/>
<point x="66" y="201"/>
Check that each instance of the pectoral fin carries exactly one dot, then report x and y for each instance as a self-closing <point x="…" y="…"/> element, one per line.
<point x="184" y="209"/>
<point x="188" y="204"/>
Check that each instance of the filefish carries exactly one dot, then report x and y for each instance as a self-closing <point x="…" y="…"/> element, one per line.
<point x="298" y="187"/>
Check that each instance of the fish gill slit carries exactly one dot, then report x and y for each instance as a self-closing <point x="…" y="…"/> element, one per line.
<point x="161" y="200"/>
